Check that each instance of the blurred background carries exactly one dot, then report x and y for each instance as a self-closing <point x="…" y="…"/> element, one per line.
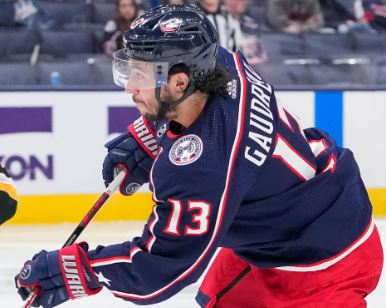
<point x="326" y="43"/>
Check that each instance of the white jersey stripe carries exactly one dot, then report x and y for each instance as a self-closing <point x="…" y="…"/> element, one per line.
<point x="113" y="260"/>
<point x="324" y="264"/>
<point x="317" y="146"/>
<point x="160" y="149"/>
<point x="152" y="239"/>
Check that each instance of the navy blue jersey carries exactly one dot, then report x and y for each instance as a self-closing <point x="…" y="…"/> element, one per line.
<point x="244" y="176"/>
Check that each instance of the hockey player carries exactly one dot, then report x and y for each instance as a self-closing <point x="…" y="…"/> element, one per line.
<point x="229" y="169"/>
<point x="8" y="196"/>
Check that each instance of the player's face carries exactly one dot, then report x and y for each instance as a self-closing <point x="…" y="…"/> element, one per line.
<point x="146" y="101"/>
<point x="141" y="84"/>
<point x="140" y="79"/>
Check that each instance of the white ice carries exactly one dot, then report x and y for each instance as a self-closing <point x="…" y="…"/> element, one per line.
<point x="18" y="243"/>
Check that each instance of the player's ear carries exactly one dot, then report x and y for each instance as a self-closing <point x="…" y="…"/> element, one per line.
<point x="179" y="82"/>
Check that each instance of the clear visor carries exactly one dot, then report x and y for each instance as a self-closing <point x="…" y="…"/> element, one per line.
<point x="136" y="74"/>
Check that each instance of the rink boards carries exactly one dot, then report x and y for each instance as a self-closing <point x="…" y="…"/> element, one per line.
<point x="52" y="142"/>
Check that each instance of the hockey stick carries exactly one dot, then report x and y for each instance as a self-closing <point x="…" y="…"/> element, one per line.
<point x="113" y="187"/>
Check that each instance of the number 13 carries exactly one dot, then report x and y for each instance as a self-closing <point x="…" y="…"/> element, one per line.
<point x="200" y="219"/>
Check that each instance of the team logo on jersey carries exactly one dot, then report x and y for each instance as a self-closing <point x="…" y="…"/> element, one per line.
<point x="186" y="150"/>
<point x="171" y="25"/>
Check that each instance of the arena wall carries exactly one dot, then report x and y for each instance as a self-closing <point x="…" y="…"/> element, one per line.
<point x="53" y="144"/>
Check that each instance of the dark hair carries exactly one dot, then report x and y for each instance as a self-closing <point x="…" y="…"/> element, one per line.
<point x="122" y="23"/>
<point x="213" y="83"/>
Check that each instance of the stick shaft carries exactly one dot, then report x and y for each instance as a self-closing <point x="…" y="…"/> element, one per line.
<point x="85" y="221"/>
<point x="114" y="185"/>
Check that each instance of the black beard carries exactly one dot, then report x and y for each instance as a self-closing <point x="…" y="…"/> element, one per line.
<point x="164" y="108"/>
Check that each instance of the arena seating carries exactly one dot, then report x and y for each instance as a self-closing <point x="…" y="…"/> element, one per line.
<point x="327" y="45"/>
<point x="69" y="41"/>
<point x="103" y="12"/>
<point x="285" y="75"/>
<point x="76" y="72"/>
<point x="339" y="75"/>
<point x="67" y="12"/>
<point x="61" y="43"/>
<point x="7" y="13"/>
<point x="16" y="41"/>
<point x="22" y="74"/>
<point x="281" y="46"/>
<point x="378" y="77"/>
<point x="370" y="44"/>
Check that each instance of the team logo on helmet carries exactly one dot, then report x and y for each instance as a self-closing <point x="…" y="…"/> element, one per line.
<point x="170" y="25"/>
<point x="186" y="150"/>
<point x="137" y="22"/>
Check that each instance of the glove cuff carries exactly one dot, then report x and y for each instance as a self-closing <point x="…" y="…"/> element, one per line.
<point x="78" y="276"/>
<point x="145" y="136"/>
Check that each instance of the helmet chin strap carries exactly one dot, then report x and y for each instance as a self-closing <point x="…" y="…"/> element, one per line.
<point x="164" y="107"/>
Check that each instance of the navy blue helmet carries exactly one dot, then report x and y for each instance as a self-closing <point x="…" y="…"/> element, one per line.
<point x="174" y="34"/>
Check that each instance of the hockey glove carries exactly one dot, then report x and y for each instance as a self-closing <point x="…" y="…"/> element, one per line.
<point x="136" y="151"/>
<point x="60" y="275"/>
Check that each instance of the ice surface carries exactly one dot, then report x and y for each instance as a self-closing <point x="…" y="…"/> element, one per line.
<point x="19" y="243"/>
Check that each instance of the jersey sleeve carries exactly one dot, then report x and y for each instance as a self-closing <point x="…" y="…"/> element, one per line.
<point x="8" y="196"/>
<point x="177" y="243"/>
